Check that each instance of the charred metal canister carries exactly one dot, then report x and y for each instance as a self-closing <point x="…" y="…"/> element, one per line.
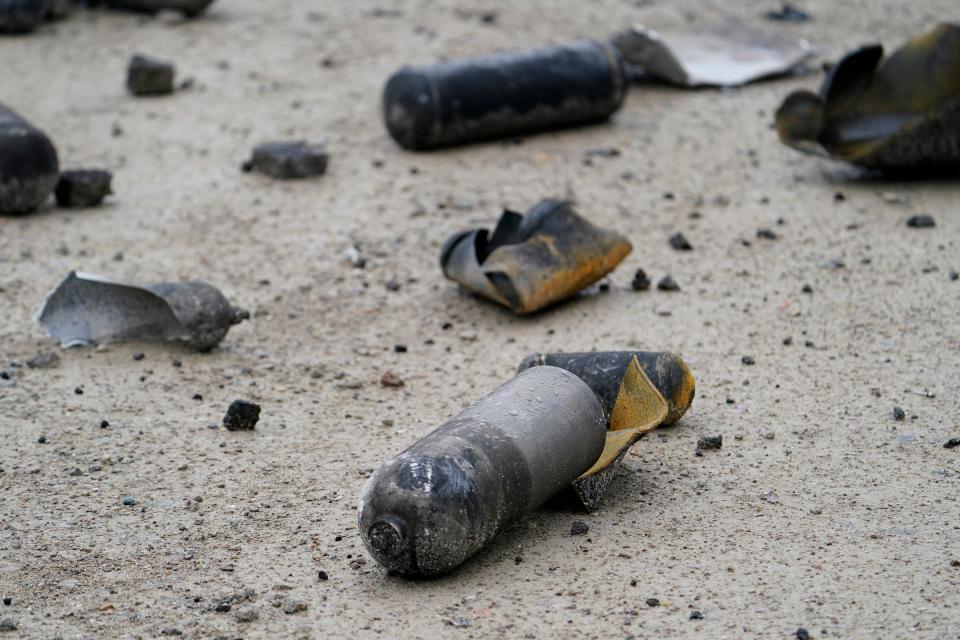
<point x="603" y="371"/>
<point x="431" y="507"/>
<point x="504" y="94"/>
<point x="29" y="169"/>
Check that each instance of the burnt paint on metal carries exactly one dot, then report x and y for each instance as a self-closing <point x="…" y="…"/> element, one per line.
<point x="29" y="168"/>
<point x="428" y="509"/>
<point x="504" y="94"/>
<point x="603" y="372"/>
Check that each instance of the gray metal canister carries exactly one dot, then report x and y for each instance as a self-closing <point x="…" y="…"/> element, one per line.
<point x="428" y="509"/>
<point x="504" y="94"/>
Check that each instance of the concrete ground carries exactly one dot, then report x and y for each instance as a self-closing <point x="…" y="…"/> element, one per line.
<point x="820" y="511"/>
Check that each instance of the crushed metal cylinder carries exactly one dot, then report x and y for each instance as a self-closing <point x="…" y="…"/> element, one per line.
<point x="451" y="103"/>
<point x="428" y="509"/>
<point x="899" y="113"/>
<point x="532" y="261"/>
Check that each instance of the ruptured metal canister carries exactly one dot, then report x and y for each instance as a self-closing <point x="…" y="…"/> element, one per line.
<point x="431" y="507"/>
<point x="504" y="94"/>
<point x="29" y="168"/>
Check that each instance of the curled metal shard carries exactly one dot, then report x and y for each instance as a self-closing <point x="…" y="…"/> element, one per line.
<point x="726" y="55"/>
<point x="87" y="309"/>
<point x="532" y="261"/>
<point x="901" y="112"/>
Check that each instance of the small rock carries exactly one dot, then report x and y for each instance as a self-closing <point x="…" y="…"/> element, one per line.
<point x="355" y="258"/>
<point x="129" y="501"/>
<point x="149" y="77"/>
<point x="322" y="576"/>
<point x="766" y="234"/>
<point x="83" y="187"/>
<point x="667" y="283"/>
<point x="679" y="242"/>
<point x="45" y="360"/>
<point x="390" y="379"/>
<point x="807" y="289"/>
<point x="921" y="221"/>
<point x="803" y="634"/>
<point x="248" y="614"/>
<point x="289" y="160"/>
<point x="579" y="528"/>
<point x="7" y="601"/>
<point x="138" y="356"/>
<point x="788" y="13"/>
<point x="6" y="624"/>
<point x="748" y="361"/>
<point x="705" y="443"/>
<point x="392" y="285"/>
<point x="42" y="440"/>
<point x="653" y="602"/>
<point x="468" y="335"/>
<point x="241" y="416"/>
<point x="400" y="348"/>
<point x="696" y="615"/>
<point x="954" y="276"/>
<point x="899" y="414"/>
<point x="293" y="605"/>
<point x="641" y="282"/>
<point x="171" y="631"/>
<point x="951" y="443"/>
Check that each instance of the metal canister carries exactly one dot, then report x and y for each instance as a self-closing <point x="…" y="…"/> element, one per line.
<point x="29" y="169"/>
<point x="434" y="505"/>
<point x="504" y="94"/>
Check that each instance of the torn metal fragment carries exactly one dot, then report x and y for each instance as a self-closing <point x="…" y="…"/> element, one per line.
<point x="29" y="168"/>
<point x="725" y="55"/>
<point x="83" y="187"/>
<point x="86" y="309"/>
<point x="428" y="509"/>
<point x="504" y="94"/>
<point x="289" y="160"/>
<point x="896" y="113"/>
<point x="149" y="77"/>
<point x="532" y="261"/>
<point x="21" y="16"/>
<point x="657" y="387"/>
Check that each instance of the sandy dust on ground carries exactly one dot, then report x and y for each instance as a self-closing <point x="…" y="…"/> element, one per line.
<point x="820" y="511"/>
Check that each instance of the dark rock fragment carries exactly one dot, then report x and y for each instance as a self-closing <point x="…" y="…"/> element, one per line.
<point x="899" y="414"/>
<point x="766" y="234"/>
<point x="29" y="168"/>
<point x="788" y="13"/>
<point x="641" y="281"/>
<point x="667" y="283"/>
<point x="289" y="160"/>
<point x="241" y="416"/>
<point x="83" y="187"/>
<point x="921" y="221"/>
<point x="679" y="242"/>
<point x="951" y="443"/>
<point x="706" y="443"/>
<point x="579" y="528"/>
<point x="149" y="77"/>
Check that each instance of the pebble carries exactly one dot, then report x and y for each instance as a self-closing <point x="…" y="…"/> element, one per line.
<point x="653" y="602"/>
<point x="7" y="601"/>
<point x="954" y="276"/>
<point x="323" y="576"/>
<point x="290" y="160"/>
<point x="390" y="379"/>
<point x="899" y="414"/>
<point x="129" y="501"/>
<point x="748" y="360"/>
<point x="171" y="631"/>
<point x="6" y="624"/>
<point x="788" y="13"/>
<point x="469" y="335"/>
<point x="641" y="281"/>
<point x="241" y="416"/>
<point x="149" y="77"/>
<point x="766" y="234"/>
<point x="45" y="360"/>
<point x="680" y="243"/>
<point x="355" y="258"/>
<point x="83" y="187"/>
<point x="400" y="348"/>
<point x="951" y="443"/>
<point x="579" y="528"/>
<point x="803" y="634"/>
<point x="705" y="443"/>
<point x="696" y="615"/>
<point x="293" y="605"/>
<point x="667" y="283"/>
<point x="921" y="221"/>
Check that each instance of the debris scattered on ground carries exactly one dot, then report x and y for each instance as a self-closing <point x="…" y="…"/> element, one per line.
<point x="788" y="13"/>
<point x="898" y="113"/>
<point x="766" y="234"/>
<point x="899" y="414"/>
<point x="579" y="528"/>
<point x="667" y="283"/>
<point x="696" y="615"/>
<point x="21" y="16"/>
<point x="921" y="221"/>
<point x="390" y="379"/>
<point x="707" y="443"/>
<point x="803" y="634"/>
<point x="951" y="443"/>
<point x="449" y="103"/>
<point x="748" y="360"/>
<point x="679" y="242"/>
<point x="640" y="282"/>
<point x="532" y="261"/>
<point x="289" y="160"/>
<point x="44" y="360"/>
<point x="29" y="168"/>
<point x="653" y="602"/>
<point x="241" y="415"/>
<point x="86" y="309"/>
<point x="83" y="187"/>
<point x="418" y="527"/>
<point x="149" y="76"/>
<point x="725" y="55"/>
